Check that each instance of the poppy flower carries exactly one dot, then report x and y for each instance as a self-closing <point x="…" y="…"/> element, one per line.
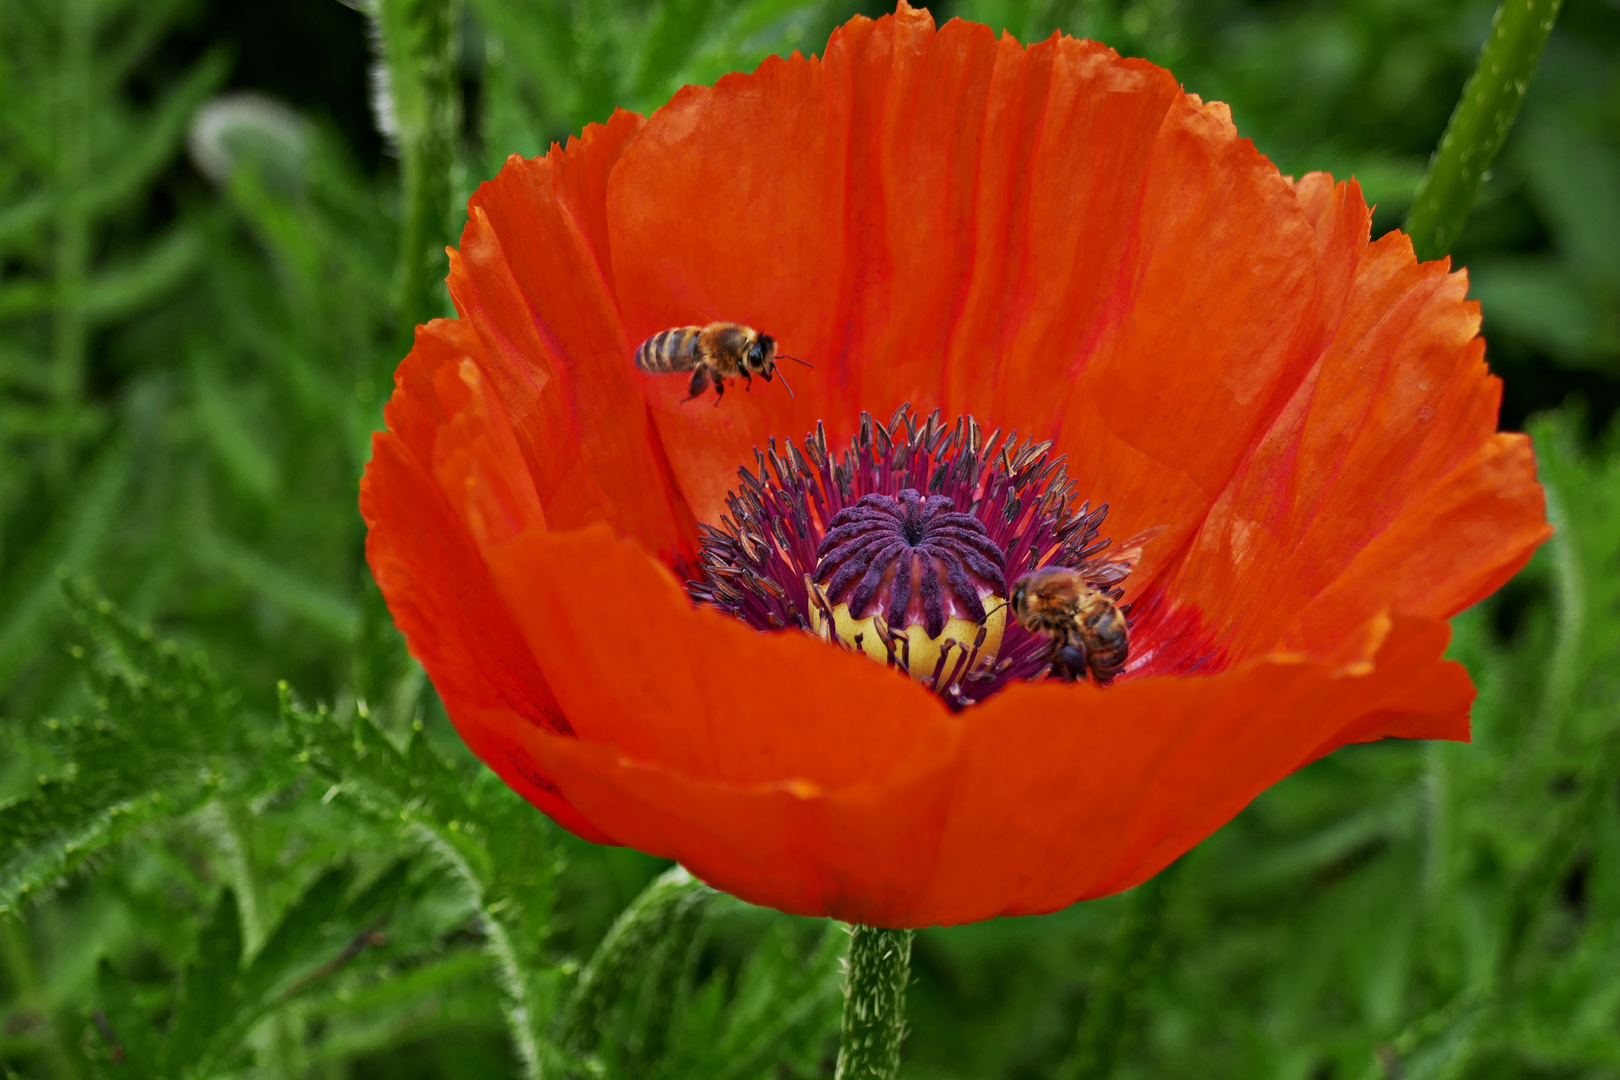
<point x="634" y="606"/>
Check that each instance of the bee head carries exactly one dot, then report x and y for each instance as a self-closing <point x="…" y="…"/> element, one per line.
<point x="761" y="355"/>
<point x="1020" y="597"/>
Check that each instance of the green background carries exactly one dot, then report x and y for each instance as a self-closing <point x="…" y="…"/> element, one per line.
<point x="198" y="328"/>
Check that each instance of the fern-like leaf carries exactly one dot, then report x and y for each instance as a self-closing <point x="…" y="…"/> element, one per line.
<point x="161" y="741"/>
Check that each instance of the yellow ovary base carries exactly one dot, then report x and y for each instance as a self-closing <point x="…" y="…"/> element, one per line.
<point x="924" y="651"/>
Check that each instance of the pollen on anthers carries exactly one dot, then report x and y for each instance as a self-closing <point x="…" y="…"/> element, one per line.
<point x="958" y="558"/>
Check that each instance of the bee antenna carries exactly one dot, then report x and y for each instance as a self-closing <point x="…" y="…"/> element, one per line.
<point x="785" y="385"/>
<point x="795" y="359"/>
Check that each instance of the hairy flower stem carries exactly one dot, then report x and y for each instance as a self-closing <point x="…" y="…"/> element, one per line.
<point x="876" y="973"/>
<point x="1480" y="123"/>
<point x="419" y="105"/>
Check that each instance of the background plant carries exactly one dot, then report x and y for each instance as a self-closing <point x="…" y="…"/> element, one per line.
<point x="202" y="296"/>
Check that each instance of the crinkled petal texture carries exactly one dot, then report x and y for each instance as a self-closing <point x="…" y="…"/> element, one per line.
<point x="1052" y="239"/>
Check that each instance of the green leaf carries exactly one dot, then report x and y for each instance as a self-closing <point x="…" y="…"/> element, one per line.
<point x="1539" y="300"/>
<point x="26" y="215"/>
<point x="160" y="744"/>
<point x="25" y="298"/>
<point x="210" y="990"/>
<point x="122" y="289"/>
<point x="150" y="146"/>
<point x="76" y="534"/>
<point x="127" y="1034"/>
<point x="220" y="1001"/>
<point x="676" y="29"/>
<point x="783" y="1015"/>
<point x="500" y="848"/>
<point x="47" y="836"/>
<point x="296" y="941"/>
<point x="638" y="961"/>
<point x="233" y="433"/>
<point x="313" y="601"/>
<point x="1575" y="178"/>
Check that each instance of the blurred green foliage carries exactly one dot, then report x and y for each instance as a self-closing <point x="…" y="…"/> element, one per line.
<point x="201" y="291"/>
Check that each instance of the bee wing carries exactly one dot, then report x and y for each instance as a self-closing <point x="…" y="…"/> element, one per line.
<point x="1130" y="552"/>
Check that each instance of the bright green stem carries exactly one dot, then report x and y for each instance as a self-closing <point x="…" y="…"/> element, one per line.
<point x="1480" y="123"/>
<point x="878" y="968"/>
<point x="1130" y="953"/>
<point x="418" y="41"/>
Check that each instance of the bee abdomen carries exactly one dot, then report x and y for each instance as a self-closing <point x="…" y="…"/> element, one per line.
<point x="669" y="350"/>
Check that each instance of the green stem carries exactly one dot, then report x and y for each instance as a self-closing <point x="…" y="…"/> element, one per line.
<point x="238" y="862"/>
<point x="1103" y="1027"/>
<point x="1480" y="123"/>
<point x="519" y="1006"/>
<point x="1569" y="620"/>
<point x="874" y="1025"/>
<point x="1438" y="839"/>
<point x="280" y="1042"/>
<point x="418" y="41"/>
<point x="647" y="944"/>
<point x="69" y="330"/>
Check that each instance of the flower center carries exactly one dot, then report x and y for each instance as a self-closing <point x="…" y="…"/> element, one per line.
<point x="904" y="547"/>
<point x="930" y="571"/>
<point x="900" y="545"/>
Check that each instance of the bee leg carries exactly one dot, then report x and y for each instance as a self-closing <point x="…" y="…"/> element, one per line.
<point x="1070" y="661"/>
<point x="699" y="383"/>
<point x="748" y="380"/>
<point x="719" y="390"/>
<point x="1104" y="668"/>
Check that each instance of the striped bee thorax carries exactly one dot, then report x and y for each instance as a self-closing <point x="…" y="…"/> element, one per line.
<point x="669" y="351"/>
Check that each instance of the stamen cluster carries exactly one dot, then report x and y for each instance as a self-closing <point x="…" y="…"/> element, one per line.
<point x="805" y="526"/>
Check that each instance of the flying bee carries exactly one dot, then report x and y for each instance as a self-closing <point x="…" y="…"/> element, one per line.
<point x="1087" y="628"/>
<point x="712" y="353"/>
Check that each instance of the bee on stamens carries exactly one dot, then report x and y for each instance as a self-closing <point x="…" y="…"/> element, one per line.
<point x="713" y="354"/>
<point x="1086" y="625"/>
<point x="1087" y="628"/>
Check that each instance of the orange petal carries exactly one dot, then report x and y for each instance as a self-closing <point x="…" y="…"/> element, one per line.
<point x="534" y="278"/>
<point x="1044" y="795"/>
<point x="635" y="666"/>
<point x="1381" y="476"/>
<point x="437" y="589"/>
<point x="936" y="217"/>
<point x="1212" y="323"/>
<point x="1461" y="542"/>
<point x="1112" y="785"/>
